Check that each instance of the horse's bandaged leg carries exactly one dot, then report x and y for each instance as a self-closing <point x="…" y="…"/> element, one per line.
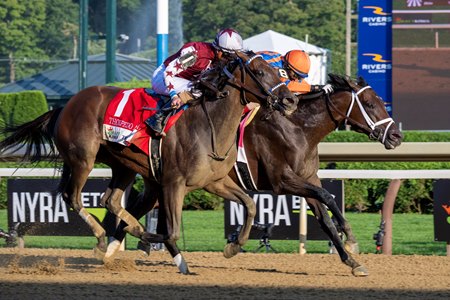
<point x="181" y="263"/>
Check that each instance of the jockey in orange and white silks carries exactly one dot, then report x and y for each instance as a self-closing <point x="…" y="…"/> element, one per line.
<point x="293" y="69"/>
<point x="178" y="71"/>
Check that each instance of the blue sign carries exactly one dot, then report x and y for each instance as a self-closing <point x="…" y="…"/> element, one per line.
<point x="375" y="47"/>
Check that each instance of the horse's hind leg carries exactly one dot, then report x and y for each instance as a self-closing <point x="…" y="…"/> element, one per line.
<point x="76" y="177"/>
<point x="121" y="179"/>
<point x="143" y="204"/>
<point x="228" y="189"/>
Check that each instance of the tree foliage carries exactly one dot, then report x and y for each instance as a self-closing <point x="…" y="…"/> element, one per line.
<point x="21" y="24"/>
<point x="321" y="20"/>
<point x="42" y="30"/>
<point x="58" y="38"/>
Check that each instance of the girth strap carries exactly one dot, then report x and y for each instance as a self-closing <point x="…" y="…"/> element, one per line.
<point x="155" y="157"/>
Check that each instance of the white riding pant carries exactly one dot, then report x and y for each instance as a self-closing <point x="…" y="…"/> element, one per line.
<point x="159" y="85"/>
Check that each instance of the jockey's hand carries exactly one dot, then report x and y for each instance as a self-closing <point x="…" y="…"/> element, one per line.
<point x="176" y="102"/>
<point x="328" y="89"/>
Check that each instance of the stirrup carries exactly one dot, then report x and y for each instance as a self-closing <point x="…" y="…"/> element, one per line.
<point x="155" y="123"/>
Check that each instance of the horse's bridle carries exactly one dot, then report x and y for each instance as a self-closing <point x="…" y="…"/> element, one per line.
<point x="273" y="101"/>
<point x="372" y="127"/>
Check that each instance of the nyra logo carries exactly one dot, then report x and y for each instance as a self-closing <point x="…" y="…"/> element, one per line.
<point x="378" y="65"/>
<point x="43" y="207"/>
<point x="379" y="18"/>
<point x="275" y="209"/>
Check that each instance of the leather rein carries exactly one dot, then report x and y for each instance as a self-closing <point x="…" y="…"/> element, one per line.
<point x="272" y="99"/>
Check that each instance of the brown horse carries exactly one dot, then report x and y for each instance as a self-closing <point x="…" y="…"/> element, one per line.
<point x="283" y="152"/>
<point x="190" y="160"/>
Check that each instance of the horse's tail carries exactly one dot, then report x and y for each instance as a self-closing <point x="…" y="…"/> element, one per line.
<point x="36" y="136"/>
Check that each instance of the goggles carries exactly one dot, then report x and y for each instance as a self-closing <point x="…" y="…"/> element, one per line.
<point x="299" y="74"/>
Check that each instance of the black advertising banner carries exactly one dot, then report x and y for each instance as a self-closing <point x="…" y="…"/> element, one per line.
<point x="40" y="211"/>
<point x="441" y="207"/>
<point x="283" y="212"/>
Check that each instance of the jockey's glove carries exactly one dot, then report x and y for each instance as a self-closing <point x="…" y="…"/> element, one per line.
<point x="327" y="89"/>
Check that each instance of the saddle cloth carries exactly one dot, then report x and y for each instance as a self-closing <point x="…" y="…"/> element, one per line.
<point x="124" y="118"/>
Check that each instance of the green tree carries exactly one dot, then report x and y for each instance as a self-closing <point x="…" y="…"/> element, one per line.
<point x="21" y="24"/>
<point x="326" y="24"/>
<point x="59" y="37"/>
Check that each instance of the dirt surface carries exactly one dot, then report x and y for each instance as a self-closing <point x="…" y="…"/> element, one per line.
<point x="76" y="274"/>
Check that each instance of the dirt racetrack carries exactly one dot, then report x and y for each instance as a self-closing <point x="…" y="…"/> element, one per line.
<point x="76" y="274"/>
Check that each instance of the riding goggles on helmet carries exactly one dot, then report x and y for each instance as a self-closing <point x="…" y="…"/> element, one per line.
<point x="299" y="74"/>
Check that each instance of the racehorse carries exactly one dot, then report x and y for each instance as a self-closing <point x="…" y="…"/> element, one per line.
<point x="282" y="153"/>
<point x="198" y="151"/>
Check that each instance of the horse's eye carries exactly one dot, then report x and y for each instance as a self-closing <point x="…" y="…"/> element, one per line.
<point x="370" y="105"/>
<point x="260" y="73"/>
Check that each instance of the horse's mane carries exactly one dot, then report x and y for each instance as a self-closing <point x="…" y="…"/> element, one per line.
<point x="345" y="83"/>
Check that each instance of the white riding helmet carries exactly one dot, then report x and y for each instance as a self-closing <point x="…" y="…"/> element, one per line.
<point x="228" y="40"/>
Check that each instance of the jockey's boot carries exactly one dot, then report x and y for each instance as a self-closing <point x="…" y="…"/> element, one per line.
<point x="156" y="121"/>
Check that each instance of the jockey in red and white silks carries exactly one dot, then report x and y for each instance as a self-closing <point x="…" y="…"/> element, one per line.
<point x="178" y="71"/>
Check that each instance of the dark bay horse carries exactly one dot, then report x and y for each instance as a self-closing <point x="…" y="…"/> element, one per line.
<point x="283" y="152"/>
<point x="190" y="160"/>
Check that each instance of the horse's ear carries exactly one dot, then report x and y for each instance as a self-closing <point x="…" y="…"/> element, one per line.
<point x="362" y="81"/>
<point x="331" y="78"/>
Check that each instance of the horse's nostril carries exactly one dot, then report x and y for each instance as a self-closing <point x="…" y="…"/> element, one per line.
<point x="290" y="101"/>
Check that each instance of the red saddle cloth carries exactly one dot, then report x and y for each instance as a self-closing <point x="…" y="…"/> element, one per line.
<point x="124" y="118"/>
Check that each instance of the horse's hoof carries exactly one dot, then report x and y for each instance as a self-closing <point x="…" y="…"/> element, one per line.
<point x="181" y="264"/>
<point x="144" y="247"/>
<point x="113" y="247"/>
<point x="353" y="248"/>
<point x="99" y="253"/>
<point x="360" y="271"/>
<point x="231" y="249"/>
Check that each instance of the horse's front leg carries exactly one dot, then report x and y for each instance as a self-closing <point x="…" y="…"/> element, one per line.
<point x="229" y="190"/>
<point x="317" y="197"/>
<point x="328" y="227"/>
<point x="326" y="198"/>
<point x="169" y="222"/>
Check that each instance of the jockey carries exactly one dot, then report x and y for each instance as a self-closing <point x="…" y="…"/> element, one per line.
<point x="293" y="68"/>
<point x="175" y="76"/>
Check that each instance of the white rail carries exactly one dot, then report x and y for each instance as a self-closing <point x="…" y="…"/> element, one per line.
<point x="330" y="174"/>
<point x="46" y="172"/>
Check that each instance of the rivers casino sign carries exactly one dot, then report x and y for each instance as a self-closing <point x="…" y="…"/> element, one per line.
<point x="375" y="47"/>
